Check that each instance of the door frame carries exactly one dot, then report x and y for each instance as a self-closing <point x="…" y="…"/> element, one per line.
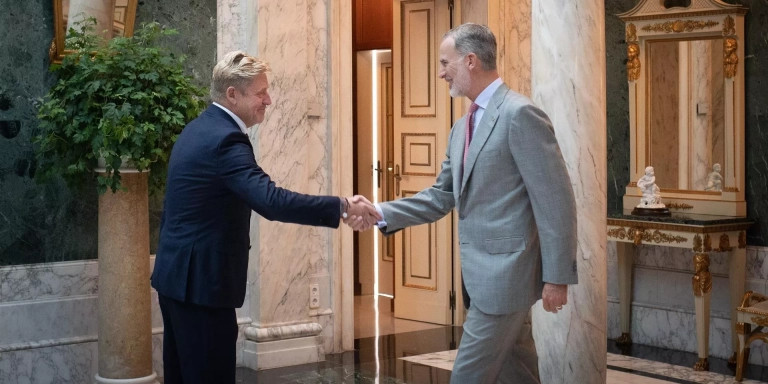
<point x="341" y="112"/>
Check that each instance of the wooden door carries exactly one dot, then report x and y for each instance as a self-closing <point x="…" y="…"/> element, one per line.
<point x="422" y="121"/>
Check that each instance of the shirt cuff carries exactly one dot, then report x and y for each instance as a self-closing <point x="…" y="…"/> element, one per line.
<point x="381" y="223"/>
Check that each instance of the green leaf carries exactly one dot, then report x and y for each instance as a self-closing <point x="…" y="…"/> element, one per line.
<point x="125" y="99"/>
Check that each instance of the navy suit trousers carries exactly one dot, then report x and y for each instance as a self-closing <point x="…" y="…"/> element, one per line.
<point x="198" y="343"/>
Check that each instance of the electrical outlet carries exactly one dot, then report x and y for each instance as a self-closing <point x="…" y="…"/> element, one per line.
<point x="314" y="296"/>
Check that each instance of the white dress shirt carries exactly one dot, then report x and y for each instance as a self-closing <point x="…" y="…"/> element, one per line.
<point x="239" y="121"/>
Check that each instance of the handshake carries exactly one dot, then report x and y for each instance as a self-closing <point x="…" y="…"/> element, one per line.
<point x="361" y="214"/>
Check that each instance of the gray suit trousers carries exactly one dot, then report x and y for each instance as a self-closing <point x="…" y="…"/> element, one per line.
<point x="496" y="349"/>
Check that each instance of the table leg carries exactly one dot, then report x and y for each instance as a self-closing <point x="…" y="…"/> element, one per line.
<point x="702" y="288"/>
<point x="736" y="276"/>
<point x="625" y="253"/>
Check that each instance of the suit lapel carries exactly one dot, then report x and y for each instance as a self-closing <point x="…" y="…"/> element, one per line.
<point x="483" y="131"/>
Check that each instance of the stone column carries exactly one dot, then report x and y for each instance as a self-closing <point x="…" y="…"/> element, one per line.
<point x="125" y="331"/>
<point x="293" y="146"/>
<point x="568" y="83"/>
<point x="236" y="26"/>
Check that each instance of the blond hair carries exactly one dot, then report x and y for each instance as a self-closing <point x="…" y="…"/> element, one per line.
<point x="235" y="69"/>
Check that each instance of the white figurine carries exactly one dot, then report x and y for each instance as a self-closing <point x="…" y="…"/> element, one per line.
<point x="714" y="179"/>
<point x="651" y="193"/>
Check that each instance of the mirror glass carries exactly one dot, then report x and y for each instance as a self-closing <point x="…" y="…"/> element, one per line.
<point x="113" y="18"/>
<point x="686" y="113"/>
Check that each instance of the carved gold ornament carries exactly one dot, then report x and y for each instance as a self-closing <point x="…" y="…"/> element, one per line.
<point x="742" y="239"/>
<point x="681" y="206"/>
<point x="633" y="62"/>
<point x="697" y="243"/>
<point x="631" y="33"/>
<point x="678" y="26"/>
<point x="624" y="339"/>
<point x="52" y="50"/>
<point x="637" y="236"/>
<point x="702" y="279"/>
<point x="760" y="320"/>
<point x="640" y="236"/>
<point x="729" y="26"/>
<point x="701" y="365"/>
<point x="661" y="237"/>
<point x="725" y="243"/>
<point x="730" y="57"/>
<point x="707" y="243"/>
<point x="618" y="233"/>
<point x="732" y="189"/>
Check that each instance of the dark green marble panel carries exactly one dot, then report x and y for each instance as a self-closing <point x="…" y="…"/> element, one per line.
<point x="617" y="102"/>
<point x="48" y="222"/>
<point x="196" y="22"/>
<point x="756" y="131"/>
<point x="37" y="222"/>
<point x="756" y="84"/>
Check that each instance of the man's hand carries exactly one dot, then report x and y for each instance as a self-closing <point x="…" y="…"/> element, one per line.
<point x="554" y="296"/>
<point x="361" y="214"/>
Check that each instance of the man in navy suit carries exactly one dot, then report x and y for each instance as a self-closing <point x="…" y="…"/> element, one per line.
<point x="202" y="257"/>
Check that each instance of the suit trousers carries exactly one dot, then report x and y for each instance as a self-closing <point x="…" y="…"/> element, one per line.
<point x="496" y="349"/>
<point x="198" y="343"/>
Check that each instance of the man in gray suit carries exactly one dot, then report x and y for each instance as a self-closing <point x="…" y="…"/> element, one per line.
<point x="516" y="212"/>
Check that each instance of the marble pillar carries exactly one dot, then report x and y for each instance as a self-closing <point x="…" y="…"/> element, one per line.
<point x="235" y="27"/>
<point x="125" y="331"/>
<point x="568" y="83"/>
<point x="293" y="145"/>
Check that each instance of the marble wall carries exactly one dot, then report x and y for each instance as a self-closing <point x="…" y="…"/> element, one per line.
<point x="49" y="222"/>
<point x="293" y="145"/>
<point x="61" y="344"/>
<point x="567" y="68"/>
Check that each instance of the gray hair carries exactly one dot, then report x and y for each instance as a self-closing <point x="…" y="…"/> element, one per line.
<point x="477" y="39"/>
<point x="236" y="69"/>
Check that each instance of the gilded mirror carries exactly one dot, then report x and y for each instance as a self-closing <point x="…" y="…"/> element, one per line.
<point x="113" y="18"/>
<point x="686" y="91"/>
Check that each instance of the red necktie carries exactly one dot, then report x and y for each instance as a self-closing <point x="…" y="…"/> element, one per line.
<point x="468" y="134"/>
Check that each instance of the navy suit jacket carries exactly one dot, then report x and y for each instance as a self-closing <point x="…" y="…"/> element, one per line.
<point x="213" y="184"/>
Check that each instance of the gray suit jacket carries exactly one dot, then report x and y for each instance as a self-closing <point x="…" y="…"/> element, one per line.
<point x="517" y="213"/>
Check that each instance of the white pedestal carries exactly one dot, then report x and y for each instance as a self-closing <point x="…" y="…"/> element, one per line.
<point x="281" y="353"/>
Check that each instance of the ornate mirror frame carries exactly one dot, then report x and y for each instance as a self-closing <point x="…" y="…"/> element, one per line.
<point x="653" y="21"/>
<point x="123" y="18"/>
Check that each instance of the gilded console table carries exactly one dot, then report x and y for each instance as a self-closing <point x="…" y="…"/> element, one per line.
<point x="701" y="234"/>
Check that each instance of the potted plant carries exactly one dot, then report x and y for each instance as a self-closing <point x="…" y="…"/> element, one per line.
<point x="121" y="101"/>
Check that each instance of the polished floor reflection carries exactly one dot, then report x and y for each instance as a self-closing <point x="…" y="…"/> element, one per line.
<point x="418" y="353"/>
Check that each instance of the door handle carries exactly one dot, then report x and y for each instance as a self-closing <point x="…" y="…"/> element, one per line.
<point x="378" y="171"/>
<point x="397" y="178"/>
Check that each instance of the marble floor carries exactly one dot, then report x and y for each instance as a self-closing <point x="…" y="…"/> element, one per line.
<point x="418" y="353"/>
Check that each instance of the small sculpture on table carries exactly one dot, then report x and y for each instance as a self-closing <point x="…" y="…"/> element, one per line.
<point x="650" y="203"/>
<point x="714" y="179"/>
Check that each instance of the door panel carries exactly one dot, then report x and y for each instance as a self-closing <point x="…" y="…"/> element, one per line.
<point x="387" y="155"/>
<point x="423" y="254"/>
